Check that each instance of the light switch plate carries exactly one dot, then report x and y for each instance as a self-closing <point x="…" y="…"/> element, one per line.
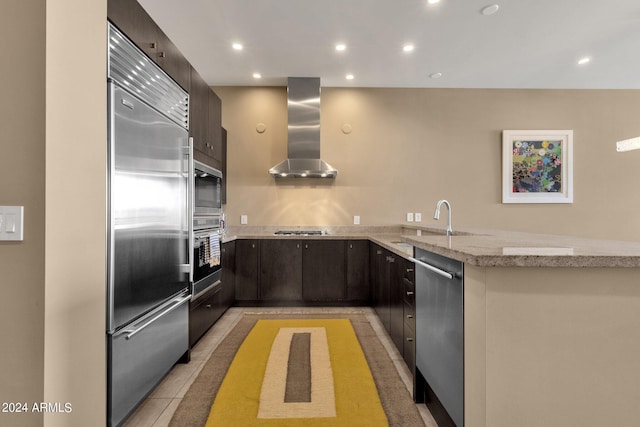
<point x="409" y="216"/>
<point x="418" y="216"/>
<point x="11" y="223"/>
<point x="244" y="219"/>
<point x="356" y="219"/>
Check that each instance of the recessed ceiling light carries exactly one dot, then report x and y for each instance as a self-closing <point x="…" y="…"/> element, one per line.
<point x="237" y="46"/>
<point x="341" y="47"/>
<point x="257" y="75"/>
<point x="349" y="77"/>
<point x="435" y="75"/>
<point x="584" y="60"/>
<point x="490" y="10"/>
<point x="433" y="1"/>
<point x="408" y="48"/>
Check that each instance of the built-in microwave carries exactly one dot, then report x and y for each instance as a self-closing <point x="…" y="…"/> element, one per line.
<point x="207" y="190"/>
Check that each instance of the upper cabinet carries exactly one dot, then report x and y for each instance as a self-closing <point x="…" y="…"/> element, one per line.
<point x="205" y="107"/>
<point x="134" y="21"/>
<point x="205" y="122"/>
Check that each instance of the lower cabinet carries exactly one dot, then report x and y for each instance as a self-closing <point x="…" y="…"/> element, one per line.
<point x="304" y="271"/>
<point x="280" y="270"/>
<point x="228" y="274"/>
<point x="247" y="252"/>
<point x="324" y="270"/>
<point x="409" y="314"/>
<point x="207" y="308"/>
<point x="203" y="312"/>
<point x="380" y="284"/>
<point x="393" y="299"/>
<point x="358" y="286"/>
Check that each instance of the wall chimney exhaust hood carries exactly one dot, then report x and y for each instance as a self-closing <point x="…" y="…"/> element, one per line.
<point x="303" y="144"/>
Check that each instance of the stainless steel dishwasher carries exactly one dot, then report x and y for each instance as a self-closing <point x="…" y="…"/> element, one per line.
<point x="440" y="335"/>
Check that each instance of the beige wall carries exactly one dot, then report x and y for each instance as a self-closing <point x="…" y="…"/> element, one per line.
<point x="53" y="121"/>
<point x="22" y="182"/>
<point x="411" y="147"/>
<point x="76" y="134"/>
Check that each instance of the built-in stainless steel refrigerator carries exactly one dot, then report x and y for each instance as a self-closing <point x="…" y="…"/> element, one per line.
<point x="148" y="226"/>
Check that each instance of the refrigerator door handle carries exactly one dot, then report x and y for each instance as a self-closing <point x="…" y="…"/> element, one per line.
<point x="174" y="304"/>
<point x="190" y="201"/>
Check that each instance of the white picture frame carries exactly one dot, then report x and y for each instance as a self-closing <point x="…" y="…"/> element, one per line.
<point x="537" y="166"/>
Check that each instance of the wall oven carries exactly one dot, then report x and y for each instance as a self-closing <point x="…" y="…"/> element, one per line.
<point x="206" y="232"/>
<point x="207" y="190"/>
<point x="207" y="261"/>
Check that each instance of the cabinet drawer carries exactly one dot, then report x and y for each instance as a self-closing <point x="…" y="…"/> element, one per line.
<point x="409" y="342"/>
<point x="410" y="316"/>
<point x="203" y="314"/>
<point x="409" y="292"/>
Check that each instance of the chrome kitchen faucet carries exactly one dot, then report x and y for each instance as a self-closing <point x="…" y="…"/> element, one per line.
<point x="436" y="214"/>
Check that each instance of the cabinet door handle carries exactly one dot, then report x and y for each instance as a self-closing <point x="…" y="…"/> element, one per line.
<point x="409" y="339"/>
<point x="298" y="245"/>
<point x="162" y="55"/>
<point x="409" y="293"/>
<point x="378" y="252"/>
<point x="207" y="306"/>
<point x="153" y="45"/>
<point x="306" y="246"/>
<point x="350" y="246"/>
<point x="409" y="270"/>
<point x="253" y="245"/>
<point x="409" y="316"/>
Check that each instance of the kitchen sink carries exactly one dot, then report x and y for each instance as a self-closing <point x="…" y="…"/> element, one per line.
<point x="403" y="245"/>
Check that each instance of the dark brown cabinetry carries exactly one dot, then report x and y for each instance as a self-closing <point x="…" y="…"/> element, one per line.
<point x="205" y="122"/>
<point x="208" y="307"/>
<point x="396" y="301"/>
<point x="409" y="344"/>
<point x="247" y="262"/>
<point x="228" y="274"/>
<point x="203" y="312"/>
<point x="358" y="288"/>
<point x="323" y="270"/>
<point x="393" y="291"/>
<point x="304" y="271"/>
<point x="131" y="18"/>
<point x="169" y="58"/>
<point x="280" y="270"/>
<point x="380" y="282"/>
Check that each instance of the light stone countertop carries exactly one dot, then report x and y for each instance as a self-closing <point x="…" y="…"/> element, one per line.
<point x="480" y="247"/>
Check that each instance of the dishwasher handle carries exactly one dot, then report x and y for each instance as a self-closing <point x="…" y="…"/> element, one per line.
<point x="432" y="268"/>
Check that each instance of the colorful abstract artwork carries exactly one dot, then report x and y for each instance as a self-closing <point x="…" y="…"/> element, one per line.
<point x="537" y="167"/>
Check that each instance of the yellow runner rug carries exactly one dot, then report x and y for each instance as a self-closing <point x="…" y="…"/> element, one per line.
<point x="342" y="389"/>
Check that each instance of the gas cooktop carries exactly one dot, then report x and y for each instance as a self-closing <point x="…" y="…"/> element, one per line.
<point x="298" y="233"/>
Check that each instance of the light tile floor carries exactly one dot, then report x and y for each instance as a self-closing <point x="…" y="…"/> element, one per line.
<point x="158" y="408"/>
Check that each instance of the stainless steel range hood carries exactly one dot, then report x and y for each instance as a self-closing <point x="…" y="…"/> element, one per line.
<point x="303" y="145"/>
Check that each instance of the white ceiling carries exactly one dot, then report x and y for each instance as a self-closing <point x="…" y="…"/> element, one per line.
<point x="526" y="44"/>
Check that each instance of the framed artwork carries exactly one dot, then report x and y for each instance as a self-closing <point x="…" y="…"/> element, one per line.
<point x="537" y="166"/>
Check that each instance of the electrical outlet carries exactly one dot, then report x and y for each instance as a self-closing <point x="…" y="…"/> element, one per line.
<point x="418" y="216"/>
<point x="356" y="219"/>
<point x="409" y="216"/>
<point x="418" y="232"/>
<point x="244" y="219"/>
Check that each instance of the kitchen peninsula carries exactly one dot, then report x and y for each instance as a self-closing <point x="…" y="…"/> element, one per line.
<point x="551" y="323"/>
